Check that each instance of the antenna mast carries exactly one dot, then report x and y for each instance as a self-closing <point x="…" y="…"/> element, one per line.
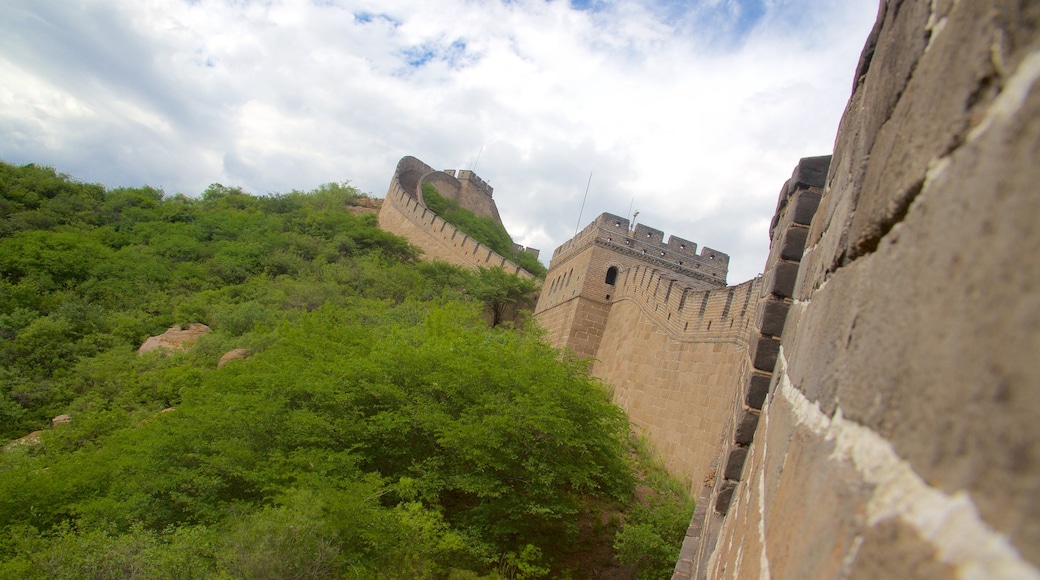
<point x="582" y="210"/>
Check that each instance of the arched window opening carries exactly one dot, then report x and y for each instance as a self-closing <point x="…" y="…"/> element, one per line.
<point x="611" y="275"/>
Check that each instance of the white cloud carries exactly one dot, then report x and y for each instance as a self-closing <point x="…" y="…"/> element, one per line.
<point x="693" y="112"/>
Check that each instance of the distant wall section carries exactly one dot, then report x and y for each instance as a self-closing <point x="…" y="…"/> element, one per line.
<point x="664" y="329"/>
<point x="585" y="272"/>
<point x="404" y="213"/>
<point x="676" y="356"/>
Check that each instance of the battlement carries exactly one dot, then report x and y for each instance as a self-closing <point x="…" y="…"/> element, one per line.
<point x="649" y="245"/>
<point x="689" y="313"/>
<point x="521" y="248"/>
<point x="467" y="176"/>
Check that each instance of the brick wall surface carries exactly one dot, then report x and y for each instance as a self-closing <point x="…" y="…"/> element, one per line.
<point x="675" y="358"/>
<point x="577" y="295"/>
<point x="665" y="331"/>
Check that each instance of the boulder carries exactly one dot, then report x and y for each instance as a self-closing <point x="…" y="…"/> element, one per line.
<point x="238" y="353"/>
<point x="175" y="339"/>
<point x="30" y="439"/>
<point x="60" y="419"/>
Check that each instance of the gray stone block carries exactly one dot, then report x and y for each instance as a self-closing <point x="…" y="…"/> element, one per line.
<point x="780" y="279"/>
<point x="735" y="463"/>
<point x="725" y="496"/>
<point x="764" y="350"/>
<point x="771" y="317"/>
<point x="804" y="207"/>
<point x="745" y="432"/>
<point x="811" y="171"/>
<point x="757" y="389"/>
<point x="793" y="243"/>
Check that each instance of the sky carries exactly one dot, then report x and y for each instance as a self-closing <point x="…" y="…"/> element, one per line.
<point x="692" y="113"/>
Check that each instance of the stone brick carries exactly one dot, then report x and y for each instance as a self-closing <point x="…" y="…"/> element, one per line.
<point x="810" y="172"/>
<point x="805" y="205"/>
<point x="735" y="463"/>
<point x="764" y="350"/>
<point x="780" y="279"/>
<point x="745" y="432"/>
<point x="757" y="389"/>
<point x="933" y="115"/>
<point x="771" y="317"/>
<point x="725" y="496"/>
<point x="793" y="244"/>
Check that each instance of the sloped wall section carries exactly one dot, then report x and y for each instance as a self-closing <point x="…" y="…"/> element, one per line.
<point x="898" y="434"/>
<point x="404" y="213"/>
<point x="663" y="329"/>
<point x="675" y="356"/>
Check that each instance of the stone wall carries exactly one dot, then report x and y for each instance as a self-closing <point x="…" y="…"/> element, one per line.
<point x="798" y="201"/>
<point x="586" y="271"/>
<point x="898" y="435"/>
<point x="675" y="357"/>
<point x="404" y="214"/>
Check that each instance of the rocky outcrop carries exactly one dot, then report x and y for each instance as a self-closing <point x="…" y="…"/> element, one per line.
<point x="30" y="439"/>
<point x="175" y="339"/>
<point x="237" y="354"/>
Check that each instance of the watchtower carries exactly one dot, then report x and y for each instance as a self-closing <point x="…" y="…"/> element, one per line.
<point x="584" y="273"/>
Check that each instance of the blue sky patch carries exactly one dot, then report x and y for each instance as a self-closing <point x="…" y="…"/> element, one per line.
<point x="370" y="17"/>
<point x="454" y="54"/>
<point x="417" y="56"/>
<point x="587" y="5"/>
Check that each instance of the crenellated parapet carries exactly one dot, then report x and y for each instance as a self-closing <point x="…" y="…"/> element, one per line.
<point x="687" y="313"/>
<point x="467" y="176"/>
<point x="648" y="245"/>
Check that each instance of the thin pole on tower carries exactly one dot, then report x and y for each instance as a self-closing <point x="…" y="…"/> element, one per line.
<point x="582" y="210"/>
<point x="477" y="160"/>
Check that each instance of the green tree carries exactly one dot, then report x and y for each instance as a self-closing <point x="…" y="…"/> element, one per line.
<point x="501" y="292"/>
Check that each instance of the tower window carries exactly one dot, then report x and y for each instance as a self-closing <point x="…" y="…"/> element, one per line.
<point x="611" y="275"/>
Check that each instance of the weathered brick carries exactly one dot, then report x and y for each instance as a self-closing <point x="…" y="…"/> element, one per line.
<point x="793" y="244"/>
<point x="764" y="350"/>
<point x="771" y="317"/>
<point x="735" y="463"/>
<point x="745" y="432"/>
<point x="757" y="389"/>
<point x="725" y="496"/>
<point x="780" y="280"/>
<point x="805" y="204"/>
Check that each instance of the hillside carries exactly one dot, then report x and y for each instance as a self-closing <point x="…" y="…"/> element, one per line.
<point x="374" y="424"/>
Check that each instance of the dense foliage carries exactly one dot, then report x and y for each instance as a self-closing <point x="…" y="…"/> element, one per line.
<point x="380" y="428"/>
<point x="485" y="230"/>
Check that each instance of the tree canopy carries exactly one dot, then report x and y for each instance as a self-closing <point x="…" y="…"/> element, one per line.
<point x="379" y="428"/>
